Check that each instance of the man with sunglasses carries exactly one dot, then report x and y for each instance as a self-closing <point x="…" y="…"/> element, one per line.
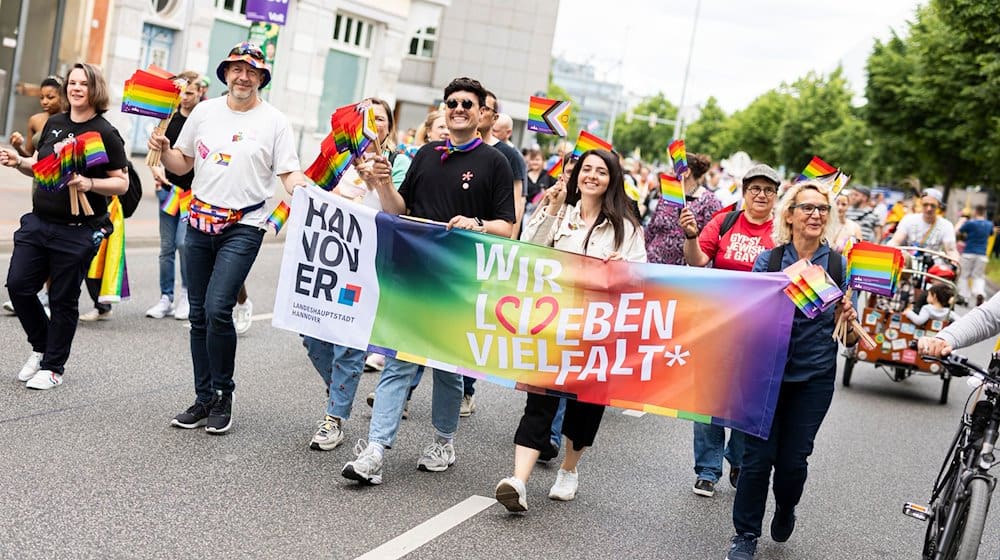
<point x="467" y="185"/>
<point x="236" y="145"/>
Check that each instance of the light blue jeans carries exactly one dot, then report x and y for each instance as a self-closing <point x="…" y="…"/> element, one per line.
<point x="710" y="447"/>
<point x="390" y="398"/>
<point x="340" y="367"/>
<point x="557" y="423"/>
<point x="172" y="234"/>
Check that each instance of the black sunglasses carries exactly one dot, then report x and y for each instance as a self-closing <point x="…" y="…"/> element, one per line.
<point x="466" y="104"/>
<point x="247" y="48"/>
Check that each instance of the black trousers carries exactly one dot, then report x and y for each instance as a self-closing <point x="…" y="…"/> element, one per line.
<point x="580" y="424"/>
<point x="43" y="250"/>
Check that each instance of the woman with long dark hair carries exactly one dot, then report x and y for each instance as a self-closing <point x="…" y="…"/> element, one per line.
<point x="52" y="241"/>
<point x="596" y="220"/>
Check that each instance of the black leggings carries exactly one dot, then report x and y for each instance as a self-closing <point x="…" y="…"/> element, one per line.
<point x="580" y="424"/>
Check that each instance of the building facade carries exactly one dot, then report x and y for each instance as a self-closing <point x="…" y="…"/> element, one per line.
<point x="328" y="53"/>
<point x="596" y="102"/>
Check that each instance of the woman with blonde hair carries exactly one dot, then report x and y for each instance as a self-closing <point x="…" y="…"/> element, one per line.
<point x="803" y="229"/>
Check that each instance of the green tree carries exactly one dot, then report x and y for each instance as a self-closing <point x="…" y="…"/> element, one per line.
<point x="704" y="133"/>
<point x="818" y="104"/>
<point x="754" y="129"/>
<point x="651" y="141"/>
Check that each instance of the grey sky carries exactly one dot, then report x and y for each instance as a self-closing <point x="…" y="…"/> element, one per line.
<point x="742" y="47"/>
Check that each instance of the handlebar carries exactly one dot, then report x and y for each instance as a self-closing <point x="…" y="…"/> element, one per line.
<point x="960" y="366"/>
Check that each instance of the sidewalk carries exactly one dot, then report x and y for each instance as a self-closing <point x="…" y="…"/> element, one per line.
<point x="142" y="229"/>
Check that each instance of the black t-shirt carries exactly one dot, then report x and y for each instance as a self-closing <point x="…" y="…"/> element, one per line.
<point x="534" y="187"/>
<point x="54" y="207"/>
<point x="474" y="184"/>
<point x="173" y="131"/>
<point x="517" y="164"/>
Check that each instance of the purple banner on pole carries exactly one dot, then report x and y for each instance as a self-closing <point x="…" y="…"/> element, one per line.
<point x="270" y="11"/>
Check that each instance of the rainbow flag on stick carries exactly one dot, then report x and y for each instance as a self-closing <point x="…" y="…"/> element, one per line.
<point x="150" y="94"/>
<point x="556" y="169"/>
<point x="811" y="288"/>
<point x="329" y="165"/>
<point x="587" y="141"/>
<point x="353" y="128"/>
<point x="171" y="205"/>
<point x="278" y="218"/>
<point x="874" y="268"/>
<point x="817" y="169"/>
<point x="548" y="116"/>
<point x="678" y="155"/>
<point x="671" y="191"/>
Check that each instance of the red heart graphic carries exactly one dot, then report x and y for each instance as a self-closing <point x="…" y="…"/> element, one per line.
<point x="554" y="303"/>
<point x="499" y="311"/>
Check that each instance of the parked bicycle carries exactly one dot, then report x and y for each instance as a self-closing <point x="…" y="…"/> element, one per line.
<point x="961" y="496"/>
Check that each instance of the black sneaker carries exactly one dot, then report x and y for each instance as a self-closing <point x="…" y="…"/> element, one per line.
<point x="196" y="415"/>
<point x="782" y="524"/>
<point x="704" y="487"/>
<point x="734" y="476"/>
<point x="743" y="547"/>
<point x="547" y="455"/>
<point x="220" y="417"/>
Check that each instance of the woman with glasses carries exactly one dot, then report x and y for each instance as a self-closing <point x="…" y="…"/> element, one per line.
<point x="803" y="229"/>
<point x="730" y="241"/>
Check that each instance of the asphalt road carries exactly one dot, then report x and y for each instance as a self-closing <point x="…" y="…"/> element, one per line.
<point x="92" y="469"/>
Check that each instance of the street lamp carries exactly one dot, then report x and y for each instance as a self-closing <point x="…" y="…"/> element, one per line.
<point x="687" y="70"/>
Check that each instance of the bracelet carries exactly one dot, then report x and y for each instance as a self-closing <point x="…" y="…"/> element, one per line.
<point x="479" y="222"/>
<point x="690" y="237"/>
<point x="91" y="184"/>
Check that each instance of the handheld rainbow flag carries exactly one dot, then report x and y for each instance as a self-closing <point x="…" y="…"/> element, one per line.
<point x="816" y="169"/>
<point x="329" y="165"/>
<point x="671" y="191"/>
<point x="185" y="209"/>
<point x="874" y="268"/>
<point x="587" y="141"/>
<point x="811" y="288"/>
<point x="150" y="94"/>
<point x="278" y="218"/>
<point x="172" y="204"/>
<point x="88" y="150"/>
<point x="548" y="116"/>
<point x="353" y="128"/>
<point x="556" y="169"/>
<point x="678" y="155"/>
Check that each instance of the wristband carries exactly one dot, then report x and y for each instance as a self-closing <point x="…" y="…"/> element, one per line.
<point x="479" y="222"/>
<point x="695" y="236"/>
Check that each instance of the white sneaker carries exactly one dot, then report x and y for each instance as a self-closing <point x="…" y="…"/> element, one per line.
<point x="565" y="487"/>
<point x="468" y="406"/>
<point x="243" y="316"/>
<point x="8" y="306"/>
<point x="367" y="468"/>
<point x="437" y="457"/>
<point x="30" y="368"/>
<point x="161" y="309"/>
<point x="43" y="380"/>
<point x="182" y="309"/>
<point x="328" y="435"/>
<point x="95" y="315"/>
<point x="510" y="492"/>
<point x="375" y="362"/>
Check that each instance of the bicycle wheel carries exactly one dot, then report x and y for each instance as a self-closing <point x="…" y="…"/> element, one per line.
<point x="971" y="531"/>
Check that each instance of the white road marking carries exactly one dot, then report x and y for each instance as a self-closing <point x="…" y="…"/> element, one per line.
<point x="634" y="413"/>
<point x="429" y="530"/>
<point x="262" y="317"/>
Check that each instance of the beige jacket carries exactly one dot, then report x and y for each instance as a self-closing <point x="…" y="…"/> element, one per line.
<point x="567" y="232"/>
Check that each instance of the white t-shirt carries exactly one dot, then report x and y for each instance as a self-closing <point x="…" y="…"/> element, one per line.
<point x="237" y="154"/>
<point x="940" y="237"/>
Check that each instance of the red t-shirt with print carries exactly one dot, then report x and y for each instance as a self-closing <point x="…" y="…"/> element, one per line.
<point x="738" y="248"/>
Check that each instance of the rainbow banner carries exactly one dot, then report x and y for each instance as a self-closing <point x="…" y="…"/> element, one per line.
<point x="528" y="317"/>
<point x="587" y="141"/>
<point x="671" y="191"/>
<point x="678" y="155"/>
<point x="548" y="116"/>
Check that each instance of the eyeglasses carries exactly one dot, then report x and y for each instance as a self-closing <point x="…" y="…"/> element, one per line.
<point x="453" y="104"/>
<point x="247" y="48"/>
<point x="768" y="191"/>
<point x="808" y="209"/>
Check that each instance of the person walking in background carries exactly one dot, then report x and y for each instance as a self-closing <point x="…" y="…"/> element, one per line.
<point x="977" y="232"/>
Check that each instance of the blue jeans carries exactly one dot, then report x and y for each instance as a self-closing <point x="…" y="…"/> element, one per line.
<point x="340" y="367"/>
<point x="217" y="267"/>
<point x="797" y="418"/>
<point x="390" y="398"/>
<point x="709" y="443"/>
<point x="557" y="423"/>
<point x="172" y="234"/>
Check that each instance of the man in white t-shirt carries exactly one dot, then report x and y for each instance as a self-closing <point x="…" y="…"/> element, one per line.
<point x="927" y="229"/>
<point x="236" y="145"/>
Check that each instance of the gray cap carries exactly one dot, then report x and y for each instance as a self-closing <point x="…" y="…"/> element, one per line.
<point x="762" y="170"/>
<point x="862" y="190"/>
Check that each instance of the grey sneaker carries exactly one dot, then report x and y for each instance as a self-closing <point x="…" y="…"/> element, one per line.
<point x="328" y="436"/>
<point x="468" y="406"/>
<point x="437" y="457"/>
<point x="367" y="468"/>
<point x="743" y="547"/>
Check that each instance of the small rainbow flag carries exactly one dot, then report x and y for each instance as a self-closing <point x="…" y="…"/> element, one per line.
<point x="353" y="128"/>
<point x="678" y="155"/>
<point x="816" y="169"/>
<point x="671" y="191"/>
<point x="88" y="150"/>
<point x="185" y="206"/>
<point x="587" y="141"/>
<point x="48" y="173"/>
<point x="172" y="204"/>
<point x="556" y="169"/>
<point x="150" y="94"/>
<point x="278" y="218"/>
<point x="76" y="154"/>
<point x="329" y="165"/>
<point x="548" y="116"/>
<point x="811" y="288"/>
<point x="874" y="268"/>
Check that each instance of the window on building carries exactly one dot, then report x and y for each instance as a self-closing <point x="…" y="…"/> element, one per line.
<point x="353" y="32"/>
<point x="236" y="7"/>
<point x="422" y="43"/>
<point x="163" y="7"/>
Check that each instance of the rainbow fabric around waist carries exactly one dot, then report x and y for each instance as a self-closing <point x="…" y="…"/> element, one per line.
<point x="213" y="220"/>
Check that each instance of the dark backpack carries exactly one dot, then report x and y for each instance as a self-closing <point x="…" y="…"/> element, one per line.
<point x="834" y="266"/>
<point x="130" y="200"/>
<point x="729" y="221"/>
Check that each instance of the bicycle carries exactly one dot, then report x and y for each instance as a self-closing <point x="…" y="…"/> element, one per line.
<point x="961" y="496"/>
